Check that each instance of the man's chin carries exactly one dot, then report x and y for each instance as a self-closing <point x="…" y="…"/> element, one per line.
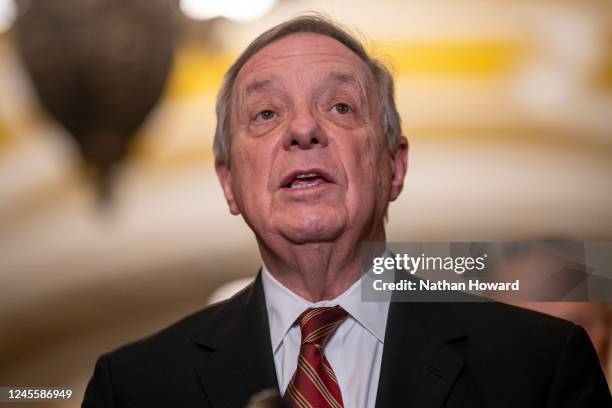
<point x="311" y="229"/>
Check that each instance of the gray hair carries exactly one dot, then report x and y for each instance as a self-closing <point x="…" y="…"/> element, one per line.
<point x="317" y="24"/>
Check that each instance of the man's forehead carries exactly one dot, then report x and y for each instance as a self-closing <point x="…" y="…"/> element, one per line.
<point x="331" y="78"/>
<point x="297" y="49"/>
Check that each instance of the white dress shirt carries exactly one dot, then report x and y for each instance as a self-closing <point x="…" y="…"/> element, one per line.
<point x="354" y="351"/>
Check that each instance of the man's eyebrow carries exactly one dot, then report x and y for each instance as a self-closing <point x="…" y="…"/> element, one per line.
<point x="257" y="85"/>
<point x="342" y="78"/>
<point x="345" y="78"/>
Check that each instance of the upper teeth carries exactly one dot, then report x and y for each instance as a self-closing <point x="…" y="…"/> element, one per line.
<point x="306" y="175"/>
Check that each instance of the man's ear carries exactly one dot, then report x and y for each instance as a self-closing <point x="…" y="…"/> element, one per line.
<point x="225" y="178"/>
<point x="399" y="165"/>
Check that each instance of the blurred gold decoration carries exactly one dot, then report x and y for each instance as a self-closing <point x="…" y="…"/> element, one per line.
<point x="99" y="67"/>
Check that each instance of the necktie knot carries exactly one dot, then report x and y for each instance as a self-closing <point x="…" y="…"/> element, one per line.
<point x="319" y="324"/>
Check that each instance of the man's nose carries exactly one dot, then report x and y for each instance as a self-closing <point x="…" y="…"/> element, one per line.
<point x="304" y="132"/>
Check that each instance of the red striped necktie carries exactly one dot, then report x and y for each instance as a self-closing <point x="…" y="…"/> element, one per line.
<point x="314" y="384"/>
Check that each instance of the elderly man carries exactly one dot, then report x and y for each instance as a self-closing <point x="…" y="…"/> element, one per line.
<point x="309" y="151"/>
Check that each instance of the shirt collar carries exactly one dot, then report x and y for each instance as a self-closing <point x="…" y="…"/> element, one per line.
<point x="284" y="307"/>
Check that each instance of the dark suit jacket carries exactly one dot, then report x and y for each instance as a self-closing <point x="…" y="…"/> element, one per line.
<point x="435" y="355"/>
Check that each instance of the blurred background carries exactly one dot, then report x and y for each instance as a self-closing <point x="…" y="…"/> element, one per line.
<point x="112" y="224"/>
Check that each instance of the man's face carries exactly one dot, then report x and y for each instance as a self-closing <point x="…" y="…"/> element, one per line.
<point x="308" y="158"/>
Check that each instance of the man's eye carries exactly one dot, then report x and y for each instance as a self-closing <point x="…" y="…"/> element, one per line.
<point x="342" y="108"/>
<point x="264" y="115"/>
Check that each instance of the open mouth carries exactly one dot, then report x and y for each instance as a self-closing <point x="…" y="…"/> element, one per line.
<point x="305" y="180"/>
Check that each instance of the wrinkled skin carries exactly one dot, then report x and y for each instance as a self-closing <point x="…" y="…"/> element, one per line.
<point x="306" y="104"/>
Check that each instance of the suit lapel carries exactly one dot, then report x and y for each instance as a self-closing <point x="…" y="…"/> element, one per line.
<point x="236" y="360"/>
<point x="419" y="369"/>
